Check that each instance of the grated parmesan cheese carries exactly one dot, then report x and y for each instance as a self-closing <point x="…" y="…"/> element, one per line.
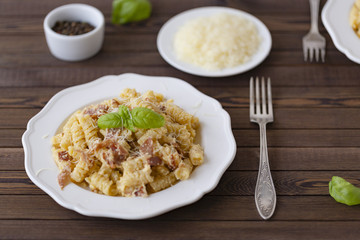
<point x="217" y="42"/>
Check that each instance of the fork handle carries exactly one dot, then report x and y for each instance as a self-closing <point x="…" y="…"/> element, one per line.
<point x="314" y="9"/>
<point x="265" y="195"/>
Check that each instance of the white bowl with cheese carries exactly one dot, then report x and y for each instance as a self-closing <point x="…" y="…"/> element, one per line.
<point x="167" y="36"/>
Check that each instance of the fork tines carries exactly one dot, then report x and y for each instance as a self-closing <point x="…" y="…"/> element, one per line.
<point x="314" y="42"/>
<point x="311" y="51"/>
<point x="265" y="102"/>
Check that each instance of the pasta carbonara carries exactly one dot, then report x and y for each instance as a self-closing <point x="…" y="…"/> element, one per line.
<point x="121" y="162"/>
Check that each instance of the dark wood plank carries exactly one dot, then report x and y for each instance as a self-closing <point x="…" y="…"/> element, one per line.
<point x="17" y="182"/>
<point x="307" y="75"/>
<point x="233" y="183"/>
<point x="234" y="97"/>
<point x="209" y="208"/>
<point x="306" y="118"/>
<point x="299" y="158"/>
<point x="287" y="183"/>
<point x="291" y="97"/>
<point x="11" y="159"/>
<point x="300" y="138"/>
<point x="282" y="159"/>
<point x="11" y="137"/>
<point x="16" y="118"/>
<point x="148" y="230"/>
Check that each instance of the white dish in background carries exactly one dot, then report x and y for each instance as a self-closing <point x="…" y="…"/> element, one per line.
<point x="335" y="17"/>
<point x="167" y="32"/>
<point x="215" y="136"/>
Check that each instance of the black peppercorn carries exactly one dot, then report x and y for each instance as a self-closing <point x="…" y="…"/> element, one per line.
<point x="71" y="28"/>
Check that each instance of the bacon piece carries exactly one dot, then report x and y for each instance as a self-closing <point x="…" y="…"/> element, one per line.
<point x="115" y="103"/>
<point x="64" y="156"/>
<point x="174" y="162"/>
<point x="64" y="176"/>
<point x="147" y="147"/>
<point x="178" y="148"/>
<point x="85" y="156"/>
<point x="154" y="161"/>
<point x="97" y="112"/>
<point x="119" y="152"/>
<point x="115" y="153"/>
<point x="140" y="192"/>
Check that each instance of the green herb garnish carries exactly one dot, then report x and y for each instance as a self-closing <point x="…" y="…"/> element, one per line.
<point x="139" y="117"/>
<point x="125" y="11"/>
<point x="343" y="191"/>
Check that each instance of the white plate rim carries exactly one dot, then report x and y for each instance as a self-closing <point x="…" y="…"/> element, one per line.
<point x="166" y="33"/>
<point x="60" y="196"/>
<point x="341" y="40"/>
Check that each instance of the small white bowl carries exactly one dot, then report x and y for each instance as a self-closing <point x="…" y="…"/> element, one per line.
<point x="78" y="47"/>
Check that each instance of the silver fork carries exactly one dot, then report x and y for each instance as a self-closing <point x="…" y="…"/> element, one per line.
<point x="313" y="42"/>
<point x="261" y="112"/>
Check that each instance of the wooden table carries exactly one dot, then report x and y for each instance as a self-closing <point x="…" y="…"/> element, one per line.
<point x="316" y="133"/>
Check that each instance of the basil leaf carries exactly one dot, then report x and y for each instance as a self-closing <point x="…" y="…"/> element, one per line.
<point x="116" y="11"/>
<point x="343" y="191"/>
<point x="129" y="125"/>
<point x="110" y="120"/>
<point x="124" y="112"/>
<point x="125" y="11"/>
<point x="139" y="117"/>
<point x="146" y="118"/>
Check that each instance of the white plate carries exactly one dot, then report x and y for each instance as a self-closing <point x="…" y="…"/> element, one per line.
<point x="215" y="136"/>
<point x="335" y="17"/>
<point x="167" y="32"/>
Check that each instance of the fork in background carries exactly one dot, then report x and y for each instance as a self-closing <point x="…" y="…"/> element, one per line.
<point x="313" y="42"/>
<point x="261" y="112"/>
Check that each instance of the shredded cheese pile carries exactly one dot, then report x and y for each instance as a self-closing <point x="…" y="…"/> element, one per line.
<point x="217" y="42"/>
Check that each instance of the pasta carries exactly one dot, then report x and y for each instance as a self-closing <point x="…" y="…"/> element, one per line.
<point x="121" y="162"/>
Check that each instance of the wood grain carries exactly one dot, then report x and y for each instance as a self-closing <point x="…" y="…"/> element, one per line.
<point x="305" y="75"/>
<point x="236" y="97"/>
<point x="102" y="228"/>
<point x="209" y="208"/>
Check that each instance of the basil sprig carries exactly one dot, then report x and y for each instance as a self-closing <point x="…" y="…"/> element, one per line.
<point x="139" y="117"/>
<point x="344" y="192"/>
<point x="125" y="11"/>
